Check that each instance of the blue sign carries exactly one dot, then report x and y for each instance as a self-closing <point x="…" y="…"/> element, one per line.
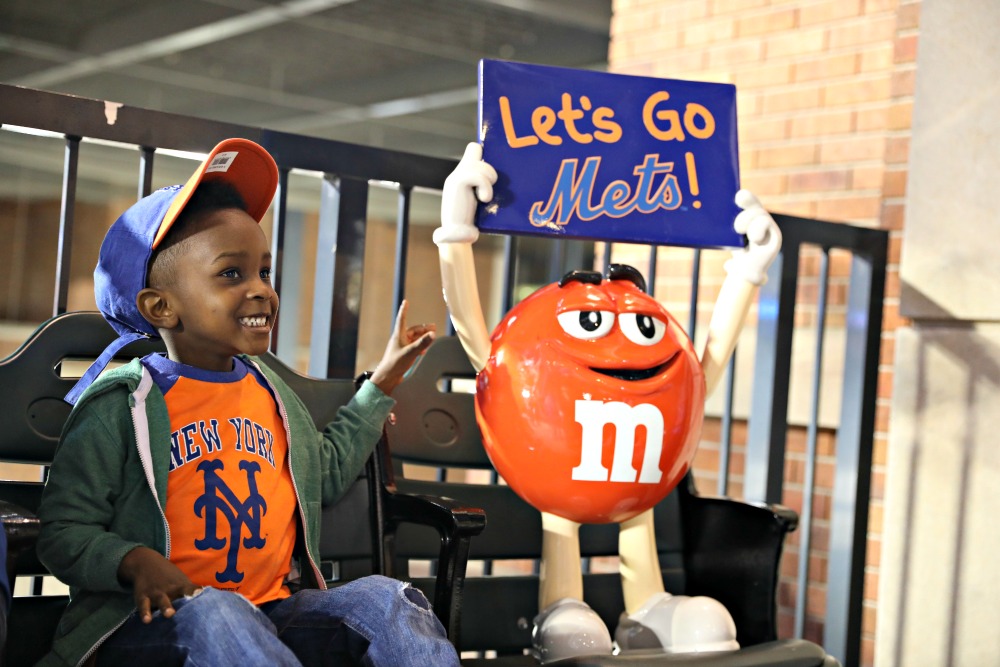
<point x="612" y="157"/>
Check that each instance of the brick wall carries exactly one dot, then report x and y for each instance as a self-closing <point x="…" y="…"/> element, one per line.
<point x="824" y="93"/>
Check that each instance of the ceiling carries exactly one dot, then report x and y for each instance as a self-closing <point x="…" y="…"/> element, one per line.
<point x="399" y="74"/>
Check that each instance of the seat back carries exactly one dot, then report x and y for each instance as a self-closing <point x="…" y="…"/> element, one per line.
<point x="722" y="548"/>
<point x="35" y="379"/>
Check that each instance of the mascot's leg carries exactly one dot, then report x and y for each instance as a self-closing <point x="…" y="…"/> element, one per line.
<point x="654" y="618"/>
<point x="565" y="626"/>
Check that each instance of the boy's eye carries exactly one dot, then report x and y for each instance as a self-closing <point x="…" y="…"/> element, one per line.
<point x="230" y="273"/>
<point x="265" y="274"/>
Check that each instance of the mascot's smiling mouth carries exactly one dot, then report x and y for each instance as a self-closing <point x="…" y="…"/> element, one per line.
<point x="634" y="374"/>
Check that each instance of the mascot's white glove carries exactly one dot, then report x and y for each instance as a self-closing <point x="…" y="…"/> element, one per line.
<point x="471" y="179"/>
<point x="763" y="236"/>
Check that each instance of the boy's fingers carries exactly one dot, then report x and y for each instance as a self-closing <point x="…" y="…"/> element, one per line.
<point x="400" y="325"/>
<point x="420" y="344"/>
<point x="418" y="330"/>
<point x="143" y="611"/>
<point x="166" y="607"/>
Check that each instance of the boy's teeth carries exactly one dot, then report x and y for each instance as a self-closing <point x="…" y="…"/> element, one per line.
<point x="253" y="321"/>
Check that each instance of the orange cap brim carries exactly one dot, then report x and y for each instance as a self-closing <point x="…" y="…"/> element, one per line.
<point x="240" y="162"/>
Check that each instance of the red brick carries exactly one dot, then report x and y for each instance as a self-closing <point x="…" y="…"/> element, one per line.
<point x="854" y="209"/>
<point x="827" y="66"/>
<point x="683" y="10"/>
<point x="868" y="616"/>
<point x="893" y="216"/>
<point x="763" y="129"/>
<point x="908" y="16"/>
<point x="720" y="7"/>
<point x="905" y="49"/>
<point x="707" y="32"/>
<point x="811" y="181"/>
<point x="867" y="30"/>
<point x="764" y="185"/>
<point x="787" y="156"/>
<point x="904" y="82"/>
<point x="805" y="208"/>
<point x="901" y="116"/>
<point x="655" y="42"/>
<point x="857" y="91"/>
<point x="738" y="53"/>
<point x="884" y="384"/>
<point x="796" y="43"/>
<point x="677" y="64"/>
<point x="763" y="75"/>
<point x="879" y="6"/>
<point x="894" y="182"/>
<point x="851" y="149"/>
<point x="867" y="652"/>
<point x="868" y="177"/>
<point x="637" y="19"/>
<point x="879" y="58"/>
<point x="770" y="22"/>
<point x="897" y="150"/>
<point x="828" y="11"/>
<point x="840" y="121"/>
<point x="801" y="97"/>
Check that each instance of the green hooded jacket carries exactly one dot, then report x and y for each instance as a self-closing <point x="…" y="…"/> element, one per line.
<point x="106" y="491"/>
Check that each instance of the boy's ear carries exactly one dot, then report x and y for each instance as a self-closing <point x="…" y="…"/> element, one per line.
<point x="155" y="308"/>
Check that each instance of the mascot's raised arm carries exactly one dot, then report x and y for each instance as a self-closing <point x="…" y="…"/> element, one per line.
<point x="590" y="351"/>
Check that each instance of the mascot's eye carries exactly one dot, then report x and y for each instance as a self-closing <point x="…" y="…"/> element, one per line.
<point x="586" y="324"/>
<point x="642" y="329"/>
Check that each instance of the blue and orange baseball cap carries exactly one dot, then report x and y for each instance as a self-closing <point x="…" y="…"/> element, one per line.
<point x="123" y="264"/>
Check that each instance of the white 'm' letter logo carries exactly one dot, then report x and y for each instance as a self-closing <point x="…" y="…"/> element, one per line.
<point x="593" y="416"/>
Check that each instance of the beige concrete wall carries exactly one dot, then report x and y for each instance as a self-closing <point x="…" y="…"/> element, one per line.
<point x="939" y="594"/>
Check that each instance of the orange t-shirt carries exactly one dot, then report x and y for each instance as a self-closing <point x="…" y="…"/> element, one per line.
<point x="231" y="505"/>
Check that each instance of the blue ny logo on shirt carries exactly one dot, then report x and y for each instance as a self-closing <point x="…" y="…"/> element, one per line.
<point x="220" y="499"/>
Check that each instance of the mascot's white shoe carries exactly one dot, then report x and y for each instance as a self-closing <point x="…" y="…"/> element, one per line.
<point x="569" y="628"/>
<point x="678" y="624"/>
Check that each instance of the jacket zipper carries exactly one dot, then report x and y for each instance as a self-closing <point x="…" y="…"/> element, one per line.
<point x="317" y="574"/>
<point x="145" y="456"/>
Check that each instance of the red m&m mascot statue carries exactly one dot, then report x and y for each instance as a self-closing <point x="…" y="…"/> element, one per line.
<point x="590" y="398"/>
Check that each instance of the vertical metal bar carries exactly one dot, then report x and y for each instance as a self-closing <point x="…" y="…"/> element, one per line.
<point x="607" y="254"/>
<point x="726" y="440"/>
<point x="651" y="271"/>
<point x="855" y="435"/>
<point x="509" y="273"/>
<point x="278" y="227"/>
<point x="695" y="284"/>
<point x="146" y="154"/>
<point x="809" y="481"/>
<point x="291" y="288"/>
<point x="340" y="256"/>
<point x="402" y="243"/>
<point x="65" y="249"/>
<point x="557" y="260"/>
<point x="765" y="452"/>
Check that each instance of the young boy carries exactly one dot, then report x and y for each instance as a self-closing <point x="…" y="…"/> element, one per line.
<point x="183" y="504"/>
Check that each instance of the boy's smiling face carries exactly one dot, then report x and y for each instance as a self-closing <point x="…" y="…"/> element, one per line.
<point x="216" y="300"/>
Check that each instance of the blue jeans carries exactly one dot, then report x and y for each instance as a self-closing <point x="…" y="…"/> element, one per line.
<point x="373" y="621"/>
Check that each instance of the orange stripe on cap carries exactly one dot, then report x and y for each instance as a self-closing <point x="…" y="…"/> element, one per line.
<point x="240" y="162"/>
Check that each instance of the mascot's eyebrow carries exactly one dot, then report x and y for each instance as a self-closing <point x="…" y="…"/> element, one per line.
<point x="592" y="277"/>
<point x="626" y="272"/>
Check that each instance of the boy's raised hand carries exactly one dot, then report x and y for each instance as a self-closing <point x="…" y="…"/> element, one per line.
<point x="155" y="582"/>
<point x="404" y="346"/>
